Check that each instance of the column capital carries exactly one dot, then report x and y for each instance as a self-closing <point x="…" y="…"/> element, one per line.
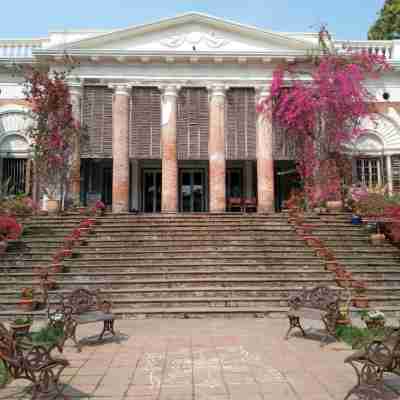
<point x="123" y="89"/>
<point x="217" y="89"/>
<point x="170" y="89"/>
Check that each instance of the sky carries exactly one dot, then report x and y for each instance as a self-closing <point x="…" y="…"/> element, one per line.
<point x="346" y="19"/>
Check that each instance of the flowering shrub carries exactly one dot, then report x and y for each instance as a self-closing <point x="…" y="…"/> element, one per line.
<point x="10" y="229"/>
<point x="322" y="114"/>
<point x="100" y="205"/>
<point x="372" y="315"/>
<point x="19" y="205"/>
<point x="27" y="293"/>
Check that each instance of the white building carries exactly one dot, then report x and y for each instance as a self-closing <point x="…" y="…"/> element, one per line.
<point x="170" y="109"/>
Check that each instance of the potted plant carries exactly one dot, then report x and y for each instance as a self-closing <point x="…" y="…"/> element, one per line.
<point x="100" y="208"/>
<point x="344" y="315"/>
<point x="21" y="325"/>
<point x="26" y="302"/>
<point x="373" y="318"/>
<point x="343" y="278"/>
<point x="360" y="300"/>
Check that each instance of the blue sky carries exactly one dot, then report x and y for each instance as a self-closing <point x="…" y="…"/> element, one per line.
<point x="346" y="19"/>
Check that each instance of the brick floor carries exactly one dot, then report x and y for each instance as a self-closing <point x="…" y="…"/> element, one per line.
<point x="206" y="359"/>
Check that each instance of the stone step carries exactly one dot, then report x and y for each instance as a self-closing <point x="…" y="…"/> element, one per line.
<point x="179" y="282"/>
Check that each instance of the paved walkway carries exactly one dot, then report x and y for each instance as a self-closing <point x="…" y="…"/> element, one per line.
<point x="206" y="359"/>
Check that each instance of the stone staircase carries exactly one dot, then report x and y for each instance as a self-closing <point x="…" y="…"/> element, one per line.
<point x="191" y="265"/>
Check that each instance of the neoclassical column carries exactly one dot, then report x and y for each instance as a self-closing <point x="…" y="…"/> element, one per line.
<point x="265" y="160"/>
<point x="120" y="148"/>
<point x="76" y="91"/>
<point x="169" y="194"/>
<point x="389" y="174"/>
<point x="216" y="149"/>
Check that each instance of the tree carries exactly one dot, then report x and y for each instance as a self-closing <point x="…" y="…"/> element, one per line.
<point x="387" y="26"/>
<point x="54" y="130"/>
<point x="322" y="109"/>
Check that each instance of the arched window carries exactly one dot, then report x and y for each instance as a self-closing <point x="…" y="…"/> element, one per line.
<point x="15" y="150"/>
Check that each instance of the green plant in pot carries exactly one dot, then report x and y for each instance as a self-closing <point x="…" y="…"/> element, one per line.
<point x="373" y="318"/>
<point x="360" y="300"/>
<point x="27" y="303"/>
<point x="21" y="325"/>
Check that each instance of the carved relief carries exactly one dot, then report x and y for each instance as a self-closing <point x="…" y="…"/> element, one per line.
<point x="193" y="38"/>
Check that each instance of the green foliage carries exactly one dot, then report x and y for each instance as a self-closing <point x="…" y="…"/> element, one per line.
<point x="3" y="374"/>
<point x="387" y="26"/>
<point x="358" y="337"/>
<point x="23" y="320"/>
<point x="48" y="335"/>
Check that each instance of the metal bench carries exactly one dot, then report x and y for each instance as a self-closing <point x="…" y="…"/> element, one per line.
<point x="33" y="363"/>
<point x="319" y="303"/>
<point x="78" y="308"/>
<point x="371" y="362"/>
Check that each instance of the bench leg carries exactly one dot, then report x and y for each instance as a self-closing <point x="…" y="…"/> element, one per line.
<point x="294" y="322"/>
<point x="47" y="384"/>
<point x="70" y="333"/>
<point x="107" y="327"/>
<point x="369" y="378"/>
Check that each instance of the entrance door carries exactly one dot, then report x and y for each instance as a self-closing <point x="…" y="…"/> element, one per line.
<point x="234" y="182"/>
<point x="107" y="186"/>
<point x="151" y="190"/>
<point x="192" y="190"/>
<point x="14" y="175"/>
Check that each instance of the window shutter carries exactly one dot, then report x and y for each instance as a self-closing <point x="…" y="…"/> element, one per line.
<point x="240" y="124"/>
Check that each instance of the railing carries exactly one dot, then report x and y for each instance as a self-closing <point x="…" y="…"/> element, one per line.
<point x="19" y="48"/>
<point x="379" y="47"/>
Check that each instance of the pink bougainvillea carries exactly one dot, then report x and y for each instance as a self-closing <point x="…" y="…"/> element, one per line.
<point x="321" y="104"/>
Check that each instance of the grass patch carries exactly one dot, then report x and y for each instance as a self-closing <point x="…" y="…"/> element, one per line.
<point x="359" y="337"/>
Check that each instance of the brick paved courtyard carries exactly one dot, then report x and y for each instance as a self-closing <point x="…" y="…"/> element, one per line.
<point x="206" y="359"/>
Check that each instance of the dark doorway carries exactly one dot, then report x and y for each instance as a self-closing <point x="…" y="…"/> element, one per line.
<point x="192" y="190"/>
<point x="151" y="190"/>
<point x="286" y="179"/>
<point x="107" y="186"/>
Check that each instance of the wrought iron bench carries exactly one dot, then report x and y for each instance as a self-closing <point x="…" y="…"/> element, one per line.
<point x="78" y="308"/>
<point x="34" y="363"/>
<point x="319" y="303"/>
<point x="371" y="362"/>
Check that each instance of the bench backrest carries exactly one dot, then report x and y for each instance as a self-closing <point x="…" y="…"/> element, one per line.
<point x="320" y="298"/>
<point x="81" y="301"/>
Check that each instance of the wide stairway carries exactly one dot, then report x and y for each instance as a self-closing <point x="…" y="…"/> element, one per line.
<point x="199" y="265"/>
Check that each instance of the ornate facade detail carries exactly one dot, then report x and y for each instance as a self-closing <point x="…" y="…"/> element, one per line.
<point x="211" y="40"/>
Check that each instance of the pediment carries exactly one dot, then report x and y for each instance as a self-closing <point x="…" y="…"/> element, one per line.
<point x="193" y="32"/>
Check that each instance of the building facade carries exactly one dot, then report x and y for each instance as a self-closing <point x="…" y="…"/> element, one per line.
<point x="170" y="110"/>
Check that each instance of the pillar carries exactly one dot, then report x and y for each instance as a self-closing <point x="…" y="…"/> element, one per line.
<point x="169" y="194"/>
<point x="216" y="149"/>
<point x="75" y="90"/>
<point x="120" y="148"/>
<point x="265" y="161"/>
<point x="389" y="177"/>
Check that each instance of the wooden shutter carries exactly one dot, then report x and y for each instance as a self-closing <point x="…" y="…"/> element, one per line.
<point x="97" y="117"/>
<point x="395" y="160"/>
<point x="145" y="123"/>
<point x="192" y="124"/>
<point x="241" y="124"/>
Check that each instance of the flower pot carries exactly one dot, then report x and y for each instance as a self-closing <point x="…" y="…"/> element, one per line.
<point x="343" y="282"/>
<point x="345" y="321"/>
<point x="360" y="301"/>
<point x="356" y="220"/>
<point x="99" y="212"/>
<point x="377" y="238"/>
<point x="57" y="268"/>
<point x="375" y="323"/>
<point x="27" y="304"/>
<point x="20" y="330"/>
<point x="334" y="205"/>
<point x="53" y="206"/>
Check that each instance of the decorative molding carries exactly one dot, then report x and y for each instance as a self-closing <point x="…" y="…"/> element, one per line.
<point x="123" y="89"/>
<point x="195" y="38"/>
<point x="218" y="89"/>
<point x="169" y="90"/>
